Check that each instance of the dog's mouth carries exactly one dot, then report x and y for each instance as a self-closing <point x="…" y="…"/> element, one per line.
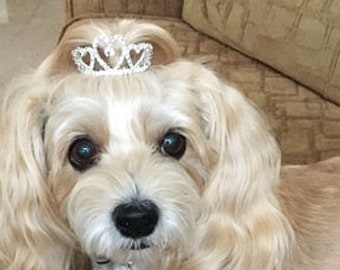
<point x="139" y="246"/>
<point x="102" y="260"/>
<point x="107" y="264"/>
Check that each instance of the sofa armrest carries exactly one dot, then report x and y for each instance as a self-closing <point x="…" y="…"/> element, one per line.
<point x="111" y="8"/>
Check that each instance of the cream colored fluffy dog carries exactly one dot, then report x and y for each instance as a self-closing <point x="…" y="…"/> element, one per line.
<point x="148" y="165"/>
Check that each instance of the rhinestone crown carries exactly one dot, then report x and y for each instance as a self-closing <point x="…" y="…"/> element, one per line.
<point x="112" y="55"/>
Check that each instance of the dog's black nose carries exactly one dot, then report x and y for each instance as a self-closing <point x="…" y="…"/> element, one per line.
<point x="136" y="219"/>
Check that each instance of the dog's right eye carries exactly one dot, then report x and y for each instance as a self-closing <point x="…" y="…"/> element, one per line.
<point x="82" y="154"/>
<point x="173" y="144"/>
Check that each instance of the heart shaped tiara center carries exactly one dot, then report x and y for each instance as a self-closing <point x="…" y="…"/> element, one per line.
<point x="112" y="55"/>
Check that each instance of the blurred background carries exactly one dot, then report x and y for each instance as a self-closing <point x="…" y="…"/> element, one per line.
<point x="28" y="32"/>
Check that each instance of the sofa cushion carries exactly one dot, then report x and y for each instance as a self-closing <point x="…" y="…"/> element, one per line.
<point x="111" y="8"/>
<point x="298" y="38"/>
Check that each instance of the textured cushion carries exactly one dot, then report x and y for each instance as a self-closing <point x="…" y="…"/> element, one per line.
<point x="300" y="38"/>
<point x="110" y="8"/>
<point x="330" y="167"/>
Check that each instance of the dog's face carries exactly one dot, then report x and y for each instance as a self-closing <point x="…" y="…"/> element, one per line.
<point x="161" y="168"/>
<point x="127" y="161"/>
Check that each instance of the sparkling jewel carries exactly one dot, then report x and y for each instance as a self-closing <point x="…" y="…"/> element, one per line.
<point x="116" y="47"/>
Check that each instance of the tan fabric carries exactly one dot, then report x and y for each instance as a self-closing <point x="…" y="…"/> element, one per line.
<point x="330" y="167"/>
<point x="300" y="38"/>
<point x="107" y="8"/>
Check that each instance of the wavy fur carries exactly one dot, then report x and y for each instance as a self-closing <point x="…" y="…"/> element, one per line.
<point x="218" y="203"/>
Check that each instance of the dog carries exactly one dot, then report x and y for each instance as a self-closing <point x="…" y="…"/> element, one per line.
<point x="118" y="154"/>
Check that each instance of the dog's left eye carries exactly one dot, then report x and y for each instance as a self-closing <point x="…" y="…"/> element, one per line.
<point x="82" y="154"/>
<point x="173" y="144"/>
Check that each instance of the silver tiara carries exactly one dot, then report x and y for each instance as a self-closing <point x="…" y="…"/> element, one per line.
<point x="112" y="55"/>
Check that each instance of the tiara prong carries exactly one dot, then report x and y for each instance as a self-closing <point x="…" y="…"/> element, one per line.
<point x="115" y="58"/>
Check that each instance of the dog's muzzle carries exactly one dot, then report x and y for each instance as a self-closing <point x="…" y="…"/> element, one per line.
<point x="136" y="219"/>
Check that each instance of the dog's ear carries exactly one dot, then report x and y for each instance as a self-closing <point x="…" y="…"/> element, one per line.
<point x="248" y="157"/>
<point x="243" y="220"/>
<point x="81" y="34"/>
<point x="29" y="219"/>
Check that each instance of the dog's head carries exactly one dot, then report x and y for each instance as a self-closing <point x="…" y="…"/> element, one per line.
<point x="166" y="163"/>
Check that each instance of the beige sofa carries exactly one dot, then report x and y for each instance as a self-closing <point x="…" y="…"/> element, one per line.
<point x="281" y="54"/>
